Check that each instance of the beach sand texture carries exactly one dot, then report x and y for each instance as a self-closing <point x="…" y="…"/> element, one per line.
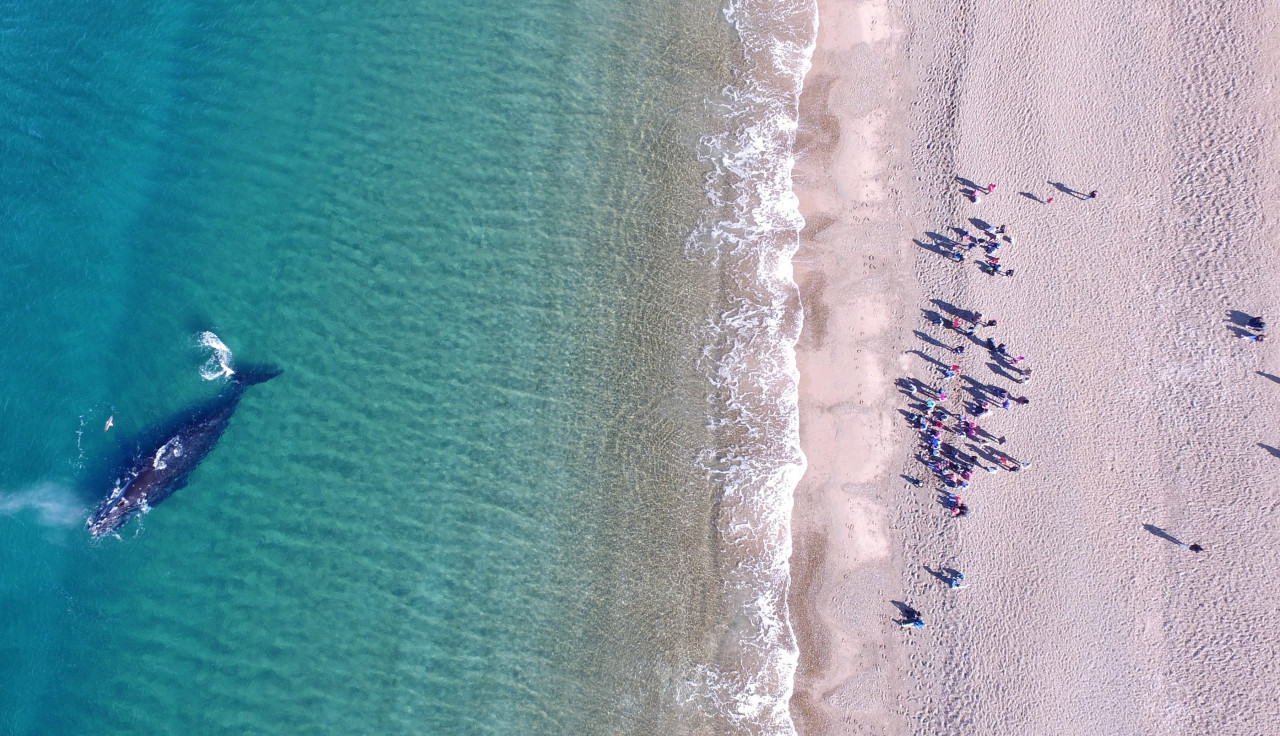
<point x="1144" y="407"/>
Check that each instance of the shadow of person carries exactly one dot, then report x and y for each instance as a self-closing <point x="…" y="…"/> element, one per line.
<point x="999" y="370"/>
<point x="932" y="247"/>
<point x="950" y="308"/>
<point x="1238" y="331"/>
<point x="1163" y="534"/>
<point x="906" y="611"/>
<point x="1238" y="318"/>
<point x="942" y="575"/>
<point x="1032" y="197"/>
<point x="1274" y="452"/>
<point x="931" y="340"/>
<point x="1268" y="375"/>
<point x="1067" y="190"/>
<point x="932" y="360"/>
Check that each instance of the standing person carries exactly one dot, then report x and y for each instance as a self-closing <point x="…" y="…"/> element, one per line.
<point x="1093" y="194"/>
<point x="1049" y="200"/>
<point x="991" y="188"/>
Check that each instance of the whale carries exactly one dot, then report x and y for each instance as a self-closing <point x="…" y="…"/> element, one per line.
<point x="165" y="463"/>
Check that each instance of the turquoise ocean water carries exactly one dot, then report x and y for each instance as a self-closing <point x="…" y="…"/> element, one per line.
<point x="524" y="471"/>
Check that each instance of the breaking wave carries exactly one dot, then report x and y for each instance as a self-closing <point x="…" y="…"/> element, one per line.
<point x="749" y="233"/>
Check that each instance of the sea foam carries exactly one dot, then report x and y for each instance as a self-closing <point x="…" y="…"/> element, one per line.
<point x="219" y="364"/>
<point x="749" y="233"/>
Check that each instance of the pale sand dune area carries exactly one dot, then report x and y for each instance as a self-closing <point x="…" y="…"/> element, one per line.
<point x="1148" y="420"/>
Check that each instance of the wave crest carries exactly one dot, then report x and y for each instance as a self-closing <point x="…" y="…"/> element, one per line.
<point x="749" y="233"/>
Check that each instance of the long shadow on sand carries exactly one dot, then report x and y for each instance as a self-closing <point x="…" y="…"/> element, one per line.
<point x="944" y="574"/>
<point x="932" y="360"/>
<point x="1068" y="190"/>
<point x="999" y="370"/>
<point x="931" y="340"/>
<point x="952" y="309"/>
<point x="906" y="611"/>
<point x="1163" y="534"/>
<point x="1238" y="318"/>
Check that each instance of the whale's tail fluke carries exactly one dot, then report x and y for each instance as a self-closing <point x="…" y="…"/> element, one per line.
<point x="253" y="375"/>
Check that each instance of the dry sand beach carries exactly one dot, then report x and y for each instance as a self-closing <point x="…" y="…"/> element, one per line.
<point x="1144" y="408"/>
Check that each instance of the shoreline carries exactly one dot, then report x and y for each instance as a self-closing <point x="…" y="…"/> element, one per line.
<point x="856" y="287"/>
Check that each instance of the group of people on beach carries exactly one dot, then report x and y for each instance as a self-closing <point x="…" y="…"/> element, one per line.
<point x="960" y="244"/>
<point x="953" y="442"/>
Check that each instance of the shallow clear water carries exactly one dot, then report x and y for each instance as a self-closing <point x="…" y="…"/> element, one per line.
<point x="474" y="502"/>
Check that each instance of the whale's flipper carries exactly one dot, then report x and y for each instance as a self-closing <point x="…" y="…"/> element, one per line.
<point x="254" y="375"/>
